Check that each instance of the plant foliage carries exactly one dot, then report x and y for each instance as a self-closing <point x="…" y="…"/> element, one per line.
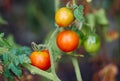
<point x="12" y="56"/>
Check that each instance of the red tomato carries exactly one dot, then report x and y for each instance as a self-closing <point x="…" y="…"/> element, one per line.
<point x="67" y="40"/>
<point x="41" y="59"/>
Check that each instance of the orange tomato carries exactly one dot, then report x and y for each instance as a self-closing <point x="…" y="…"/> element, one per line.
<point x="64" y="17"/>
<point x="67" y="40"/>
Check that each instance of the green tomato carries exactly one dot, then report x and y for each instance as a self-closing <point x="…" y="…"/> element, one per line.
<point x="92" y="43"/>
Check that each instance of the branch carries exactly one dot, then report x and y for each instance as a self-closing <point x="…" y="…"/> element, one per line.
<point x="76" y="67"/>
<point x="35" y="70"/>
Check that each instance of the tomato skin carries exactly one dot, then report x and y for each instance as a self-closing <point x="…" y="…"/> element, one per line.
<point x="40" y="59"/>
<point x="67" y="40"/>
<point x="64" y="17"/>
<point x="92" y="43"/>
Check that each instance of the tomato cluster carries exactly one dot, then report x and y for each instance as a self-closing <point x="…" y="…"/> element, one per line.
<point x="67" y="39"/>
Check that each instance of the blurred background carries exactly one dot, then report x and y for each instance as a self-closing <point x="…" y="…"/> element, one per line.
<point x="33" y="20"/>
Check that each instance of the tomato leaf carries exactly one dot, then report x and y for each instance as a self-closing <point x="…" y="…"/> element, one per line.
<point x="78" y="13"/>
<point x="12" y="53"/>
<point x="24" y="50"/>
<point x="1" y="35"/>
<point x="7" y="73"/>
<point x="74" y="6"/>
<point x="90" y="18"/>
<point x="5" y="58"/>
<point x="13" y="59"/>
<point x="2" y="21"/>
<point x="23" y="59"/>
<point x="13" y="56"/>
<point x="11" y="41"/>
<point x="16" y="70"/>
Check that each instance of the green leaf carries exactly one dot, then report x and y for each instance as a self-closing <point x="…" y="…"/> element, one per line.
<point x="3" y="50"/>
<point x="11" y="41"/>
<point x="12" y="56"/>
<point x="5" y="58"/>
<point x="16" y="61"/>
<point x="7" y="44"/>
<point x="2" y="21"/>
<point x="21" y="59"/>
<point x="24" y="50"/>
<point x="1" y="39"/>
<point x="16" y="70"/>
<point x="90" y="18"/>
<point x="7" y="73"/>
<point x="74" y="6"/>
<point x="1" y="35"/>
<point x="100" y="16"/>
<point x="78" y="13"/>
<point x="10" y="65"/>
<point x="12" y="53"/>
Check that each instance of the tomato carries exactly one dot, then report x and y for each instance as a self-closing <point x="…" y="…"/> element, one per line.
<point x="67" y="40"/>
<point x="92" y="43"/>
<point x="40" y="59"/>
<point x="111" y="35"/>
<point x="64" y="17"/>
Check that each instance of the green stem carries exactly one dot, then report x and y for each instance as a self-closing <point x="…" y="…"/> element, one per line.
<point x="38" y="71"/>
<point x="76" y="67"/>
<point x="53" y="34"/>
<point x="51" y="54"/>
<point x="52" y="64"/>
<point x="57" y="4"/>
<point x="73" y="2"/>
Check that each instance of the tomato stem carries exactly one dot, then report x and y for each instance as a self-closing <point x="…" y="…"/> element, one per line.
<point x="74" y="2"/>
<point x="53" y="34"/>
<point x="53" y="65"/>
<point x="35" y="70"/>
<point x="56" y="4"/>
<point x="80" y="25"/>
<point x="51" y="56"/>
<point x="76" y="67"/>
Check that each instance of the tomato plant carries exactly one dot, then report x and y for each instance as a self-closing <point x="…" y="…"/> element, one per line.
<point x="68" y="36"/>
<point x="92" y="43"/>
<point x="67" y="40"/>
<point x="64" y="17"/>
<point x="40" y="59"/>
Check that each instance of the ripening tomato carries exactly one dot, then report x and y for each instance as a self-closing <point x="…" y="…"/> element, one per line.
<point x="111" y="35"/>
<point x="64" y="17"/>
<point x="92" y="43"/>
<point x="67" y="40"/>
<point x="40" y="59"/>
